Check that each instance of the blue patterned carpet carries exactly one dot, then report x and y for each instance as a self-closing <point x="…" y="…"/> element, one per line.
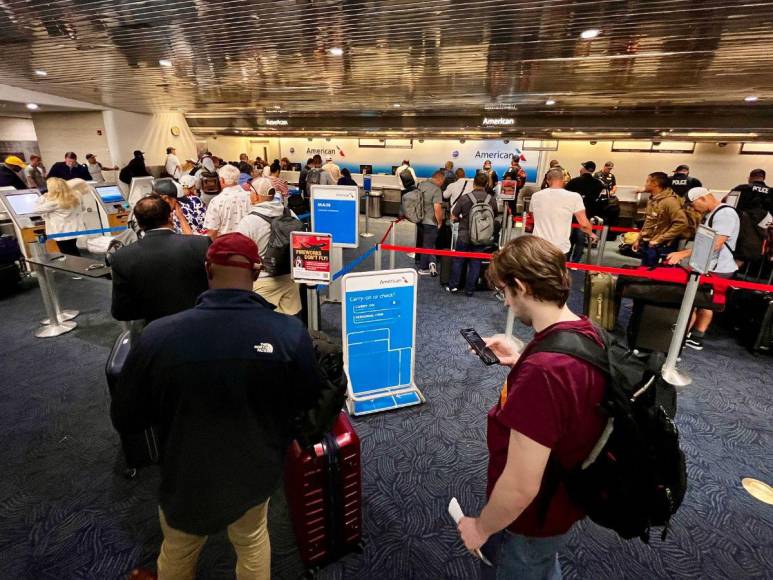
<point x="66" y="512"/>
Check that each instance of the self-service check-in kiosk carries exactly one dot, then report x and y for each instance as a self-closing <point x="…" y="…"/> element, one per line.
<point x="139" y="188"/>
<point x="113" y="207"/>
<point x="20" y="205"/>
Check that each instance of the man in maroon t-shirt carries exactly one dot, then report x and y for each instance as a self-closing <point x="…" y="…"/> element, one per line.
<point x="548" y="407"/>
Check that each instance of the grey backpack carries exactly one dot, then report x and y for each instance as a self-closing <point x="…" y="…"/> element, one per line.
<point x="413" y="206"/>
<point x="482" y="220"/>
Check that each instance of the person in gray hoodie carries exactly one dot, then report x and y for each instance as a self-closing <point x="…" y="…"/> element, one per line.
<point x="280" y="291"/>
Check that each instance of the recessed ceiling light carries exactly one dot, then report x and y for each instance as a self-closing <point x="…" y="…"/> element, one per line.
<point x="41" y="73"/>
<point x="588" y="34"/>
<point x="396" y="105"/>
<point x="165" y="62"/>
<point x="32" y="106"/>
<point x="254" y="16"/>
<point x="751" y="98"/>
<point x="550" y="102"/>
<point x="336" y="51"/>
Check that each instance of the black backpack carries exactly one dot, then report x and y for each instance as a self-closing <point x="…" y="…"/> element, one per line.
<point x="406" y="177"/>
<point x="276" y="261"/>
<point x="210" y="182"/>
<point x="635" y="477"/>
<point x="313" y="177"/>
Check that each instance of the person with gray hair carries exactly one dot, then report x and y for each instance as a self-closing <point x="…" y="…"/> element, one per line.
<point x="227" y="208"/>
<point x="553" y="209"/>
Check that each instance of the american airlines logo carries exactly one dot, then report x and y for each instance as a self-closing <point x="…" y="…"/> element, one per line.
<point x="498" y="121"/>
<point x="276" y="122"/>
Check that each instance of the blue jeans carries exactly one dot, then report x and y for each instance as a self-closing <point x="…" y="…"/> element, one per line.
<point x="473" y="267"/>
<point x="428" y="237"/>
<point x="651" y="255"/>
<point x="579" y="239"/>
<point x="516" y="557"/>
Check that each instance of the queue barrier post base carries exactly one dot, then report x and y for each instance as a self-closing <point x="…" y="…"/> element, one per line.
<point x="676" y="377"/>
<point x="65" y="315"/>
<point x="52" y="330"/>
<point x="669" y="371"/>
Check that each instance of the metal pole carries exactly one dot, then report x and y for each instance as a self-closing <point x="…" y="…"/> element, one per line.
<point x="336" y="263"/>
<point x="312" y="306"/>
<point x="366" y="233"/>
<point x="602" y="245"/>
<point x="57" y="325"/>
<point x="670" y="373"/>
<point x="392" y="243"/>
<point x="377" y="258"/>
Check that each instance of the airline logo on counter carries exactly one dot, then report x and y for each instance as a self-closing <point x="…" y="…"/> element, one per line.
<point x="498" y="121"/>
<point x="323" y="151"/>
<point x="500" y="154"/>
<point x="276" y="122"/>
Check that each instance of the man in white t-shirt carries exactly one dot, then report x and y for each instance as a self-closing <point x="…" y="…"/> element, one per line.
<point x="553" y="209"/>
<point x="228" y="207"/>
<point x="172" y="166"/>
<point x="724" y="220"/>
<point x="406" y="166"/>
<point x="96" y="168"/>
<point x="456" y="188"/>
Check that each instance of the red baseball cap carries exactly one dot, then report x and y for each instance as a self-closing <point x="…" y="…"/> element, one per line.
<point x="234" y="244"/>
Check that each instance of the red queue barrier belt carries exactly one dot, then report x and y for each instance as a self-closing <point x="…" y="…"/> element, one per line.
<point x="673" y="275"/>
<point x="389" y="229"/>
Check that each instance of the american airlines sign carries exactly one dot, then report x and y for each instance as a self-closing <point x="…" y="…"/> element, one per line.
<point x="498" y="121"/>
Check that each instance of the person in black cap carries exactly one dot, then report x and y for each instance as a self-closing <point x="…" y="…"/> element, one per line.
<point x="681" y="182"/>
<point x="590" y="190"/>
<point x="755" y="194"/>
<point x="135" y="168"/>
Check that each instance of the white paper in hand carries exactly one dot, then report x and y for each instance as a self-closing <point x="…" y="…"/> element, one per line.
<point x="455" y="511"/>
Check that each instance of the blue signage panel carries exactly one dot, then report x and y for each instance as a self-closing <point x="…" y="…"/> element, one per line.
<point x="379" y="326"/>
<point x="335" y="211"/>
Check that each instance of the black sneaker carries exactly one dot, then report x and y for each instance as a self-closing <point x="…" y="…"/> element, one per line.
<point x="694" y="342"/>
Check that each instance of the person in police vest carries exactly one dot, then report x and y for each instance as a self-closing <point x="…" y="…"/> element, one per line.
<point x="681" y="182"/>
<point x="755" y="194"/>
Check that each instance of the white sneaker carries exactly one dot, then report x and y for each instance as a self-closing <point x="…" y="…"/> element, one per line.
<point x="411" y="254"/>
<point x="425" y="272"/>
<point x="433" y="269"/>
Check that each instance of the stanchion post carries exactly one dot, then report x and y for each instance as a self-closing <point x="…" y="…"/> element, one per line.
<point x="602" y="244"/>
<point x="57" y="325"/>
<point x="366" y="233"/>
<point x="670" y="373"/>
<point x="312" y="307"/>
<point x="392" y="243"/>
<point x="377" y="258"/>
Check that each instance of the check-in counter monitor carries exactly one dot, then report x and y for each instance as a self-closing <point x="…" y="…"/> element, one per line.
<point x="291" y="177"/>
<point x="113" y="208"/>
<point x="21" y="207"/>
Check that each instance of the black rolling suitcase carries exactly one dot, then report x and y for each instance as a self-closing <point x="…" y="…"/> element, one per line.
<point x="751" y="316"/>
<point x="140" y="448"/>
<point x="651" y="326"/>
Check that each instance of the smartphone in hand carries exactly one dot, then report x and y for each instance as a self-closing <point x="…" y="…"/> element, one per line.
<point x="479" y="346"/>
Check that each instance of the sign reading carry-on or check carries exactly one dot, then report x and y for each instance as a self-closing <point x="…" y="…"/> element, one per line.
<point x="379" y="335"/>
<point x="335" y="210"/>
<point x="310" y="257"/>
<point x="703" y="258"/>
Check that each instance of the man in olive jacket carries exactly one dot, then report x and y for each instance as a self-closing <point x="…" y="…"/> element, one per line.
<point x="665" y="221"/>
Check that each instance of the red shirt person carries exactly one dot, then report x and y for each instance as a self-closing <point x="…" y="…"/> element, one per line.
<point x="548" y="408"/>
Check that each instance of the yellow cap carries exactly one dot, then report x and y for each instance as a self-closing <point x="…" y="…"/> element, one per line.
<point x="13" y="160"/>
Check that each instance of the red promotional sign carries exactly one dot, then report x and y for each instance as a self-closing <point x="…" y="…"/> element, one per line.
<point x="508" y="190"/>
<point x="310" y="257"/>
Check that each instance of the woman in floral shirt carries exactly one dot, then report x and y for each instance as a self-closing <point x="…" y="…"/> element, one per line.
<point x="187" y="211"/>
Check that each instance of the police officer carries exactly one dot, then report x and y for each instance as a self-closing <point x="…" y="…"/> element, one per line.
<point x="755" y="195"/>
<point x="681" y="182"/>
<point x="607" y="178"/>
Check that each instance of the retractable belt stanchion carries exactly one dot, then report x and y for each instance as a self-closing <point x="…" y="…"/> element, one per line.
<point x="377" y="258"/>
<point x="312" y="306"/>
<point x="392" y="243"/>
<point x="602" y="244"/>
<point x="366" y="233"/>
<point x="57" y="324"/>
<point x="670" y="373"/>
<point x="336" y="263"/>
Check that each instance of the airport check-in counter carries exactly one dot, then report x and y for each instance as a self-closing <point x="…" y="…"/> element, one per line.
<point x="113" y="207"/>
<point x="28" y="223"/>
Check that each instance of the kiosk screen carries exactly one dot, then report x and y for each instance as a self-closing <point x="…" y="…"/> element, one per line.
<point x="110" y="193"/>
<point x="23" y="204"/>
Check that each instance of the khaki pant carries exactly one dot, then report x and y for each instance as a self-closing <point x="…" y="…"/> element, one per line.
<point x="280" y="291"/>
<point x="249" y="537"/>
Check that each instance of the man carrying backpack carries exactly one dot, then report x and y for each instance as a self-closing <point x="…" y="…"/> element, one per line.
<point x="269" y="224"/>
<point x="475" y="211"/>
<point x="431" y="220"/>
<point x="545" y="432"/>
<point x="724" y="220"/>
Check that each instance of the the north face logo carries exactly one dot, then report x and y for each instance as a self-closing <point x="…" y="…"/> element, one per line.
<point x="264" y="347"/>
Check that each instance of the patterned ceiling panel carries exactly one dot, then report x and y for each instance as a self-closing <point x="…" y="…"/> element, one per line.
<point x="430" y="57"/>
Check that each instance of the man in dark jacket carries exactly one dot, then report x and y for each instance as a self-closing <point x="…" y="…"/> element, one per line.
<point x="681" y="182"/>
<point x="69" y="168"/>
<point x="135" y="168"/>
<point x="226" y="382"/>
<point x="755" y="195"/>
<point x="161" y="274"/>
<point x="10" y="173"/>
<point x="590" y="190"/>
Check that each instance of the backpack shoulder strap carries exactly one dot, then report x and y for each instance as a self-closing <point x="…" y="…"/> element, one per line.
<point x="711" y="221"/>
<point x="488" y="199"/>
<point x="262" y="216"/>
<point x="576" y="345"/>
<point x="472" y="197"/>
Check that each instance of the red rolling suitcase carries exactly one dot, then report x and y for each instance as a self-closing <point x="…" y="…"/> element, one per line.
<point x="323" y="486"/>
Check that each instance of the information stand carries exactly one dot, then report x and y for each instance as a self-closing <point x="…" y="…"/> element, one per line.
<point x="335" y="210"/>
<point x="379" y="334"/>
